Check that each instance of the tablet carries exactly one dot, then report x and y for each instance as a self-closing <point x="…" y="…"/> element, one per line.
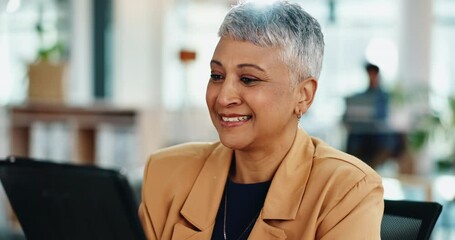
<point x="64" y="201"/>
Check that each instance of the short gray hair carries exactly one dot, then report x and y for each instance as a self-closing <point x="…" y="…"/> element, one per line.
<point x="283" y="25"/>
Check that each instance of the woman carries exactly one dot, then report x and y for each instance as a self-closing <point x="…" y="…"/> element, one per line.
<point x="265" y="178"/>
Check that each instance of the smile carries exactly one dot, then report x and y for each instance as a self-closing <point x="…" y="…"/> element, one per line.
<point x="235" y="119"/>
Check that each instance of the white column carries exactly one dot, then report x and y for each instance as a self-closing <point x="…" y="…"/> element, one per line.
<point x="138" y="40"/>
<point x="79" y="87"/>
<point x="414" y="63"/>
<point x="415" y="45"/>
<point x="138" y="67"/>
<point x="450" y="64"/>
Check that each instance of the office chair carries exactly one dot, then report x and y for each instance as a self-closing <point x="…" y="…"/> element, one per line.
<point x="63" y="201"/>
<point x="409" y="220"/>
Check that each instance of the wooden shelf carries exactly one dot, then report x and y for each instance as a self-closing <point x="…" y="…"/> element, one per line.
<point x="83" y="121"/>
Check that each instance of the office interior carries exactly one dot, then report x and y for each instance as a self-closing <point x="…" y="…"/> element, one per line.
<point x="125" y="78"/>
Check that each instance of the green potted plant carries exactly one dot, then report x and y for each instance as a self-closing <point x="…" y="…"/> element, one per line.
<point x="46" y="73"/>
<point x="426" y="127"/>
<point x="434" y="127"/>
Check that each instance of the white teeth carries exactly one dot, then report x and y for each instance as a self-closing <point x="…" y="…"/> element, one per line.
<point x="234" y="119"/>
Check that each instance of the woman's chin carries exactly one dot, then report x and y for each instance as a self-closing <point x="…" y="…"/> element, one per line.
<point x="234" y="143"/>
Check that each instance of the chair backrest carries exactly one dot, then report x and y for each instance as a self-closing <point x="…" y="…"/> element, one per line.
<point x="70" y="202"/>
<point x="405" y="220"/>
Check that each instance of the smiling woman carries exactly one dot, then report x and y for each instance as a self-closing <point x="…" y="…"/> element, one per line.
<point x="265" y="178"/>
<point x="251" y="84"/>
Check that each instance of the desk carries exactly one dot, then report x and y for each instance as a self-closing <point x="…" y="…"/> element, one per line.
<point x="83" y="121"/>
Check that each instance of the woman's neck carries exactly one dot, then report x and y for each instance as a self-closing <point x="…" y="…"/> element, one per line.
<point x="260" y="165"/>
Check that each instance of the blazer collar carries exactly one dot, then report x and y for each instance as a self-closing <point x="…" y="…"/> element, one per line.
<point x="282" y="200"/>
<point x="290" y="180"/>
<point x="203" y="201"/>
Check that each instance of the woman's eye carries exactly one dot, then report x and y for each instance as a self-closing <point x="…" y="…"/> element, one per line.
<point x="216" y="77"/>
<point x="248" y="80"/>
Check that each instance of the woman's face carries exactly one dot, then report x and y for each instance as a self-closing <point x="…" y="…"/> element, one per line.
<point x="249" y="95"/>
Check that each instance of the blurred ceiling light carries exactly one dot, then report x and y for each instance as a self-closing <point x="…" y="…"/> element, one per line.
<point x="13" y="5"/>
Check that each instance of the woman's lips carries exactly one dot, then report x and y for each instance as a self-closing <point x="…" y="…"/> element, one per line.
<point x="233" y="121"/>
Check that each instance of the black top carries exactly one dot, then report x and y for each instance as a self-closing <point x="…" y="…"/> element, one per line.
<point x="244" y="202"/>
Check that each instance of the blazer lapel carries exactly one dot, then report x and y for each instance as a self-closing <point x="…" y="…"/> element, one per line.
<point x="182" y="232"/>
<point x="290" y="180"/>
<point x="286" y="191"/>
<point x="202" y="203"/>
<point x="263" y="230"/>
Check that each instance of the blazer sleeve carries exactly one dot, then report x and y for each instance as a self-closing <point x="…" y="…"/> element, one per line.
<point x="147" y="224"/>
<point x="358" y="214"/>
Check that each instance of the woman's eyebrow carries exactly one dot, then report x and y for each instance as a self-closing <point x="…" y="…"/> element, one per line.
<point x="243" y="65"/>
<point x="216" y="62"/>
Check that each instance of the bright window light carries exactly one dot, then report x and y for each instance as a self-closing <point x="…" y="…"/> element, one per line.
<point x="13" y="5"/>
<point x="384" y="53"/>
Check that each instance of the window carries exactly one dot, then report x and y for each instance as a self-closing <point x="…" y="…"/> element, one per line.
<point x="19" y="21"/>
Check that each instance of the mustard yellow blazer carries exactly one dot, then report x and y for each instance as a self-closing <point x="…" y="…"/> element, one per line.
<point x="317" y="192"/>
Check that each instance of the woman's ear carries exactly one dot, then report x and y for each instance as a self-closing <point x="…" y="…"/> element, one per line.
<point x="306" y="90"/>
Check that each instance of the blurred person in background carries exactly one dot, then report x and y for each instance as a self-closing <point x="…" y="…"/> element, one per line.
<point x="265" y="178"/>
<point x="370" y="136"/>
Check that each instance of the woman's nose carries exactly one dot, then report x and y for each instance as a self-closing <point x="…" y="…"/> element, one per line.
<point x="229" y="94"/>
